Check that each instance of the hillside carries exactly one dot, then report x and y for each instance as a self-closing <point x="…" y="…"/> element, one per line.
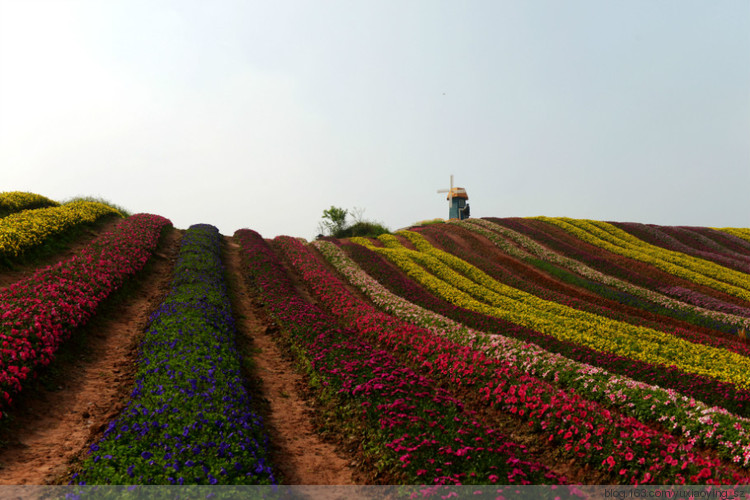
<point x="486" y="351"/>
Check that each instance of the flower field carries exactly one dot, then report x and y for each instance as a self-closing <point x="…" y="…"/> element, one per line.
<point x="478" y="352"/>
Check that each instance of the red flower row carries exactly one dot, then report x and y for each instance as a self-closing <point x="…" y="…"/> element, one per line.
<point x="37" y="314"/>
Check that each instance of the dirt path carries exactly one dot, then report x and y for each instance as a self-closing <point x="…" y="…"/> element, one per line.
<point x="50" y="428"/>
<point x="300" y="454"/>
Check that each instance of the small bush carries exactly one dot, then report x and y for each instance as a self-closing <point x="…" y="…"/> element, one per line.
<point x="123" y="211"/>
<point x="364" y="229"/>
<point x="334" y="224"/>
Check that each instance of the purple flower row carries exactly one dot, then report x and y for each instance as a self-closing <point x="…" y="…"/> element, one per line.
<point x="189" y="419"/>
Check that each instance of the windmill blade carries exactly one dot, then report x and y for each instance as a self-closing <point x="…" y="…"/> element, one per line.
<point x="449" y="191"/>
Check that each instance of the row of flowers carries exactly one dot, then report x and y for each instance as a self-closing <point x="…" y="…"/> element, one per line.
<point x="189" y="419"/>
<point x="706" y="426"/>
<point x="16" y="201"/>
<point x="505" y="238"/>
<point x="623" y="447"/>
<point x="526" y="276"/>
<point x="19" y="232"/>
<point x="709" y="338"/>
<point x="615" y="240"/>
<point x="446" y="275"/>
<point x="38" y="313"/>
<point x="739" y="232"/>
<point x="414" y="432"/>
<point x="709" y="239"/>
<point x="638" y="287"/>
<point x="659" y="236"/>
<point x="700" y="388"/>
<point x="725" y="238"/>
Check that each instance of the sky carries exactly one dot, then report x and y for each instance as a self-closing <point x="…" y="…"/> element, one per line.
<point x="263" y="114"/>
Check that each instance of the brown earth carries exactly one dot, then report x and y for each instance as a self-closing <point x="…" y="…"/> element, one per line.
<point x="53" y="424"/>
<point x="302" y="457"/>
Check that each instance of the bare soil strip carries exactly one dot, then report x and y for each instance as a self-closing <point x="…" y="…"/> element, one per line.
<point x="52" y="427"/>
<point x="301" y="455"/>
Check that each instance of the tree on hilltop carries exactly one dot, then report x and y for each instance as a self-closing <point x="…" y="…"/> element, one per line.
<point x="334" y="224"/>
<point x="334" y="221"/>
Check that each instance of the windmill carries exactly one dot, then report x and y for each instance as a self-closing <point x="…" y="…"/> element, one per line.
<point x="458" y="208"/>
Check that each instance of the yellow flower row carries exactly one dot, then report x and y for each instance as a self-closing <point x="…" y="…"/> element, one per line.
<point x="501" y="236"/>
<point x="24" y="230"/>
<point x="466" y="286"/>
<point x="740" y="232"/>
<point x="615" y="240"/>
<point x="429" y="222"/>
<point x="16" y="201"/>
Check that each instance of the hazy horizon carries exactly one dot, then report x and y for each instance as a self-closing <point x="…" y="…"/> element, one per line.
<point x="264" y="114"/>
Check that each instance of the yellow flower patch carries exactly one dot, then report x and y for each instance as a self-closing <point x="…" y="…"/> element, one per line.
<point x="16" y="201"/>
<point x="740" y="232"/>
<point x="24" y="230"/>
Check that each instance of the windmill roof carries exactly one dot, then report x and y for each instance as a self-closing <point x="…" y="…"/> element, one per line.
<point x="457" y="192"/>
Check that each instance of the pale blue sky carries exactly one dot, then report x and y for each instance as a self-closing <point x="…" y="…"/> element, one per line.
<point x="263" y="114"/>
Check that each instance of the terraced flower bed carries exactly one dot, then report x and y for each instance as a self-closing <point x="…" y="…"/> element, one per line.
<point x="670" y="238"/>
<point x="613" y="287"/>
<point x="464" y="285"/>
<point x="615" y="240"/>
<point x="704" y="389"/>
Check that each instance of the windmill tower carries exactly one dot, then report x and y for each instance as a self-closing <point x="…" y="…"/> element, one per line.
<point x="458" y="208"/>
